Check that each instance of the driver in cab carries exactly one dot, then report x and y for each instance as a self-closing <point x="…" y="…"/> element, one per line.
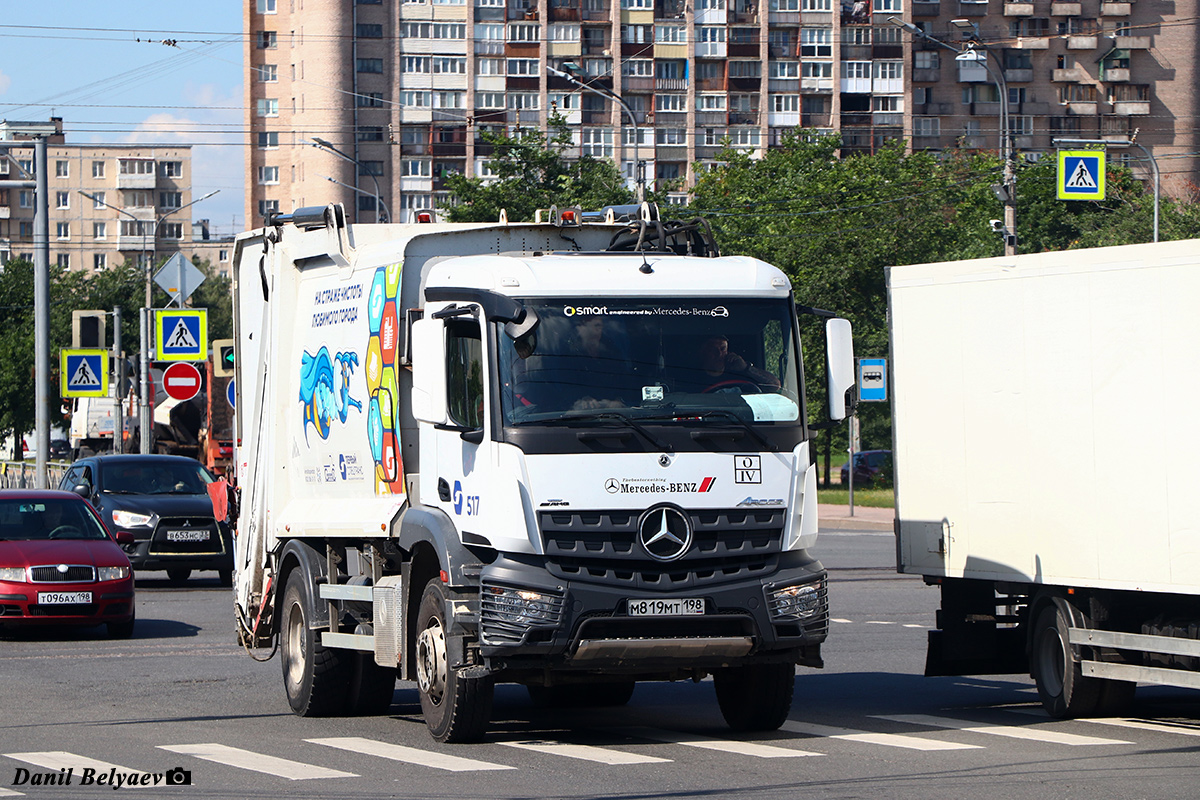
<point x="721" y="369"/>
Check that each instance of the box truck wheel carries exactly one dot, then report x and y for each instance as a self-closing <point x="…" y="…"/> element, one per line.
<point x="314" y="676"/>
<point x="456" y="709"/>
<point x="757" y="697"/>
<point x="1064" y="689"/>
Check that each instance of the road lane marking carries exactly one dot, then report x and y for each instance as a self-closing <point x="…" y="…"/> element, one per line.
<point x="1158" y="726"/>
<point x="1009" y="731"/>
<point x="600" y="755"/>
<point x="885" y="739"/>
<point x="255" y="762"/>
<point x="10" y="792"/>
<point x="54" y="760"/>
<point x="839" y="619"/>
<point x="720" y="745"/>
<point x="409" y="755"/>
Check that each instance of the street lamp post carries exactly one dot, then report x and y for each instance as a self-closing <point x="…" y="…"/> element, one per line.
<point x="575" y="74"/>
<point x="386" y="214"/>
<point x="381" y="212"/>
<point x="976" y="52"/>
<point x="145" y="424"/>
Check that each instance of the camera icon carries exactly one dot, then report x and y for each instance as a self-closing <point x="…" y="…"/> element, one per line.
<point x="179" y="777"/>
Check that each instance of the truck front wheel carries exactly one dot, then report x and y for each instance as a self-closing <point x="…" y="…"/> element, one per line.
<point x="757" y="697"/>
<point x="1061" y="684"/>
<point x="314" y="676"/>
<point x="456" y="709"/>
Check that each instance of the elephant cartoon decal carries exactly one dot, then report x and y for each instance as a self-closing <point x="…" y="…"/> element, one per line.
<point x="324" y="391"/>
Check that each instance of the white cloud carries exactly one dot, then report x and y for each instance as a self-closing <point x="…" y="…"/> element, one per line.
<point x="5" y="82"/>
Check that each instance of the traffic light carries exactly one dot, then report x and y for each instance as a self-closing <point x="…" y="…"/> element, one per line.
<point x="223" y="358"/>
<point x="88" y="329"/>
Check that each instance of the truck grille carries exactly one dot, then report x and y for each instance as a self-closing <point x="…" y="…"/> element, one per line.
<point x="728" y="545"/>
<point x="76" y="573"/>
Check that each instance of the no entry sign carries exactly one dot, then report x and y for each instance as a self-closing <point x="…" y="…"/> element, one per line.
<point x="181" y="381"/>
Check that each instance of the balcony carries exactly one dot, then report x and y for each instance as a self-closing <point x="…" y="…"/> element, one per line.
<point x="1018" y="75"/>
<point x="596" y="12"/>
<point x="595" y="46"/>
<point x="629" y="85"/>
<point x="1066" y="9"/>
<point x="711" y="50"/>
<point x="930" y="75"/>
<point x="972" y="8"/>
<point x="1132" y="42"/>
<point x="1117" y="75"/>
<point x="926" y="9"/>
<point x="710" y="85"/>
<point x="743" y="50"/>
<point x="489" y="14"/>
<point x="709" y="119"/>
<point x="488" y="47"/>
<point x="1131" y="108"/>
<point x="1116" y="9"/>
<point x="1077" y="41"/>
<point x="671" y="84"/>
<point x="564" y="11"/>
<point x="127" y="181"/>
<point x="1082" y="108"/>
<point x="1031" y="43"/>
<point x="1069" y="75"/>
<point x="1018" y="9"/>
<point x="743" y="117"/>
<point x="746" y="15"/>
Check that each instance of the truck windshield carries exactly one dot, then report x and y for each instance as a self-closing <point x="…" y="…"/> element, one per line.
<point x="648" y="359"/>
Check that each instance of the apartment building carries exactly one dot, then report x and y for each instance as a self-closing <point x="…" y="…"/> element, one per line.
<point x="128" y="214"/>
<point x="399" y="92"/>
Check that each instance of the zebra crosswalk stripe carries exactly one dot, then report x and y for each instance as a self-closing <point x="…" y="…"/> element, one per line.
<point x="409" y="755"/>
<point x="721" y="745"/>
<point x="1158" y="726"/>
<point x="884" y="739"/>
<point x="255" y="762"/>
<point x="1008" y="731"/>
<point x="600" y="755"/>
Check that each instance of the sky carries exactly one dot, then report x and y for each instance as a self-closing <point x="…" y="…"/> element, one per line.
<point x="118" y="71"/>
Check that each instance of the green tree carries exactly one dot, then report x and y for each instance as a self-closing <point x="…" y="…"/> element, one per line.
<point x="533" y="172"/>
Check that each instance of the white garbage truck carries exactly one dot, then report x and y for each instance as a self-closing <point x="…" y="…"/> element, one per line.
<point x="1046" y="471"/>
<point x="570" y="454"/>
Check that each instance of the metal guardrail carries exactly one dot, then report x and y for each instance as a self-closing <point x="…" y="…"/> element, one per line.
<point x="21" y="474"/>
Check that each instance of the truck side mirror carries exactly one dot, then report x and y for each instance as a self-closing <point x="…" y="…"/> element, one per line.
<point x="839" y="350"/>
<point x="429" y="371"/>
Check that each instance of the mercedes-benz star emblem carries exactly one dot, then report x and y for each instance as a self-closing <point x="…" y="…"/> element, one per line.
<point x="665" y="533"/>
<point x="612" y="486"/>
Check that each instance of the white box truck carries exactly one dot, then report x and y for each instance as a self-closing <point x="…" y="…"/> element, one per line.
<point x="565" y="454"/>
<point x="1046" y="470"/>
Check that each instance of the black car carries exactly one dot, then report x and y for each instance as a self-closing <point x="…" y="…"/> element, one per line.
<point x="60" y="449"/>
<point x="165" y="502"/>
<point x="871" y="468"/>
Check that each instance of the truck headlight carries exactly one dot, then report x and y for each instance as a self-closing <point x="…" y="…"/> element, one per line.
<point x="803" y="601"/>
<point x="112" y="573"/>
<point x="12" y="574"/>
<point x="506" y="613"/>
<point x="130" y="519"/>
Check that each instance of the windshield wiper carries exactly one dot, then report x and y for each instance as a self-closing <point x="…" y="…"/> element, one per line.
<point x="738" y="420"/>
<point x="623" y="419"/>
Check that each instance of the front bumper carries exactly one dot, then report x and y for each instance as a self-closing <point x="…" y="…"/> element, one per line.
<point x="580" y="625"/>
<point x="210" y="547"/>
<point x="111" y="601"/>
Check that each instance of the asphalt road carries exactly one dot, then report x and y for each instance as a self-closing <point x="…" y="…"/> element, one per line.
<point x="181" y="694"/>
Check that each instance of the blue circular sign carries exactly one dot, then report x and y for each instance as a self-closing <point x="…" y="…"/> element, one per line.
<point x="229" y="395"/>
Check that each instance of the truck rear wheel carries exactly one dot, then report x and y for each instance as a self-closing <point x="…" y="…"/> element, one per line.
<point x="757" y="697"/>
<point x="1061" y="684"/>
<point x="314" y="676"/>
<point x="456" y="709"/>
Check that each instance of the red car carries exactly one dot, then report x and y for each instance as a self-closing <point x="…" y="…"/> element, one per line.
<point x="60" y="565"/>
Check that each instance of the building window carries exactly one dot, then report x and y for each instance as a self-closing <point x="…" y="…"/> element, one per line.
<point x="489" y="32"/>
<point x="415" y="64"/>
<point x="638" y="68"/>
<point x="266" y="6"/>
<point x="98" y="200"/>
<point x="564" y="33"/>
<point x="99" y="230"/>
<point x="449" y="30"/>
<point x="745" y="69"/>
<point x="783" y="69"/>
<point x="130" y="227"/>
<point x="268" y="175"/>
<point x="368" y="31"/>
<point x="370" y="167"/>
<point x="63" y="230"/>
<point x="172" y="169"/>
<point x="522" y="101"/>
<point x="223" y="255"/>
<point x="816" y="69"/>
<point x="267" y="107"/>
<point x="170" y="199"/>
<point x="62" y="169"/>
<point x="711" y="102"/>
<point x="926" y="60"/>
<point x="267" y="73"/>
<point x="266" y="207"/>
<point x="670" y="136"/>
<point x="522" y="33"/>
<point x="100" y="262"/>
<point x="670" y="102"/>
<point x="267" y="40"/>
<point x="889" y="70"/>
<point x="171" y="230"/>
<point x="415" y="30"/>
<point x="136" y="166"/>
<point x="138" y="199"/>
<point x="785" y="103"/>
<point x="710" y="33"/>
<point x="268" y="140"/>
<point x="362" y="99"/>
<point x="97" y="169"/>
<point x="670" y="34"/>
<point x="489" y="66"/>
<point x="489" y="99"/>
<point x="64" y="260"/>
<point x="414" y="99"/>
<point x="449" y="65"/>
<point x="816" y="42"/>
<point x="414" y="168"/>
<point x="25" y="198"/>
<point x="816" y="5"/>
<point x="523" y="66"/>
<point x="370" y="133"/>
<point x="597" y="142"/>
<point x="450" y="99"/>
<point x="745" y="137"/>
<point x="25" y="230"/>
<point x="369" y="65"/>
<point x="637" y="4"/>
<point x="62" y="199"/>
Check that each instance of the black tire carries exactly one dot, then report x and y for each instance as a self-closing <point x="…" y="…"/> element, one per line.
<point x="315" y="677"/>
<point x="225" y="577"/>
<point x="1116" y="698"/>
<point x="456" y="709"/>
<point x="582" y="695"/>
<point x="178" y="575"/>
<point x="121" y="630"/>
<point x="371" y="686"/>
<point x="1061" y="684"/>
<point x="756" y="697"/>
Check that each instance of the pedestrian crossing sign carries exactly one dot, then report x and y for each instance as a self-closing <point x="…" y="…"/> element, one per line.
<point x="83" y="373"/>
<point x="181" y="334"/>
<point x="1081" y="174"/>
